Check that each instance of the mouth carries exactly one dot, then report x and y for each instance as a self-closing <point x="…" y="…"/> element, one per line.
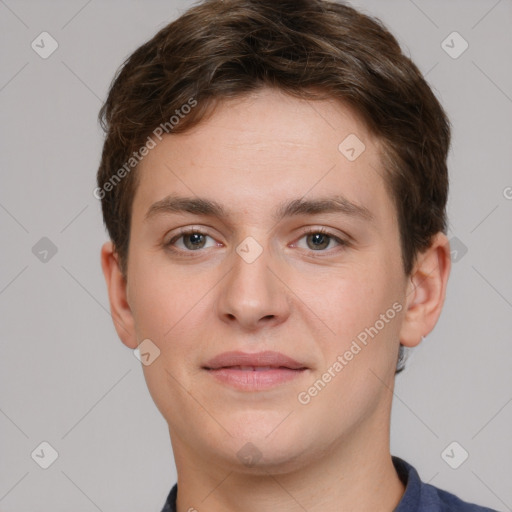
<point x="254" y="372"/>
<point x="253" y="368"/>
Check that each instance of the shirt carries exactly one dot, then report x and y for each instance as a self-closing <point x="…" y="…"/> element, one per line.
<point x="418" y="496"/>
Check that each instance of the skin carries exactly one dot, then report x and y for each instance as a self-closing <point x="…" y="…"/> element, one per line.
<point x="251" y="155"/>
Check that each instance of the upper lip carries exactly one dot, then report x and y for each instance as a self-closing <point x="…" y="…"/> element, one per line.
<point x="266" y="359"/>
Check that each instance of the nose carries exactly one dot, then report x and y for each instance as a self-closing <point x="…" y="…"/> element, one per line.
<point x="252" y="295"/>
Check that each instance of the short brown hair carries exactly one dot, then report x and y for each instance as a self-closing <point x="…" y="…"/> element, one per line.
<point x="311" y="49"/>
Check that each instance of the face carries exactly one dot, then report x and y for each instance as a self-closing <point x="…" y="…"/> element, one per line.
<point x="256" y="235"/>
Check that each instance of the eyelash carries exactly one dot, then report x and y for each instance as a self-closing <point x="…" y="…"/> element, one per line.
<point x="309" y="231"/>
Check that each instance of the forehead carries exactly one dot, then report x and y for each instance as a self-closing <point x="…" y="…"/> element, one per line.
<point x="256" y="151"/>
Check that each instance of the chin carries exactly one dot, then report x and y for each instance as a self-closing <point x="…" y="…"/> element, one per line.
<point x="265" y="445"/>
<point x="272" y="459"/>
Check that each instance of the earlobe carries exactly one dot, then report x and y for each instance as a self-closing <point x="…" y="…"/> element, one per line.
<point x="426" y="291"/>
<point x="116" y="286"/>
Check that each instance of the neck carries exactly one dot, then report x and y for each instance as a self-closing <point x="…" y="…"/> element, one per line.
<point x="355" y="474"/>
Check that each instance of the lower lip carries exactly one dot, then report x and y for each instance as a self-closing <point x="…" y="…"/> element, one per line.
<point x="250" y="380"/>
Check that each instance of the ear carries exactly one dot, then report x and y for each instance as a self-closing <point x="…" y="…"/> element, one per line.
<point x="426" y="291"/>
<point x="116" y="285"/>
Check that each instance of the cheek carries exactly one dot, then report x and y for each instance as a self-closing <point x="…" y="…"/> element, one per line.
<point x="160" y="298"/>
<point x="365" y="314"/>
<point x="351" y="298"/>
<point x="362" y="306"/>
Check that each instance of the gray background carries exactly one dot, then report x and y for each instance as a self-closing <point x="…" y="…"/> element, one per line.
<point x="65" y="378"/>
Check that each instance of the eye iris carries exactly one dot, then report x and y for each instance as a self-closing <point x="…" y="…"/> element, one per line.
<point x="194" y="241"/>
<point x="320" y="241"/>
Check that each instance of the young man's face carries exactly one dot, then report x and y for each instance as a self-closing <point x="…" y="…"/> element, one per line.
<point x="256" y="281"/>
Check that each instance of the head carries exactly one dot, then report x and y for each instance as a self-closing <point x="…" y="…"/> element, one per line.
<point x="274" y="178"/>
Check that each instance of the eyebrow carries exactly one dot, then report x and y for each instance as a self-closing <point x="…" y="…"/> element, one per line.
<point x="294" y="207"/>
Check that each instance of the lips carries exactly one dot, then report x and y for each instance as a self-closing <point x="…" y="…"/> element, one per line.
<point x="254" y="372"/>
<point x="259" y="361"/>
<point x="252" y="368"/>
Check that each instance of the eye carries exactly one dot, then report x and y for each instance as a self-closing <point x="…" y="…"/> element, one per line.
<point x="319" y="240"/>
<point x="191" y="240"/>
